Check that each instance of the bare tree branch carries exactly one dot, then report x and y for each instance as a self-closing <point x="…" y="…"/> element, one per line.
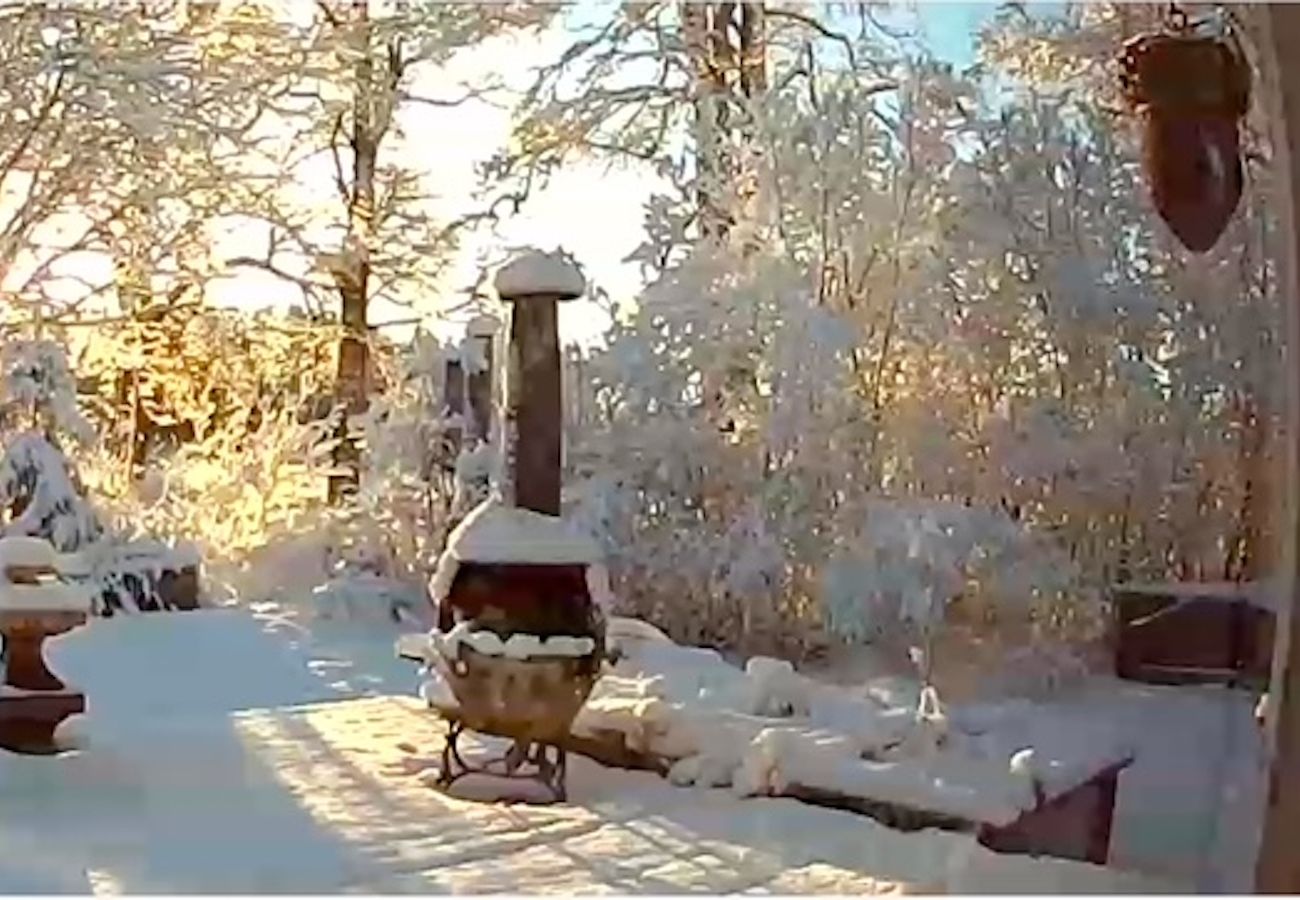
<point x="340" y="180"/>
<point x="820" y="27"/>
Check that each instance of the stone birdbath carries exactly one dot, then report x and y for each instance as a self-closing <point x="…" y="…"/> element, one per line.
<point x="35" y="604"/>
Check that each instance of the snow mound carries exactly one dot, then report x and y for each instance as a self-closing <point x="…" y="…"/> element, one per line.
<point x="22" y="550"/>
<point x="483" y="326"/>
<point x="496" y="533"/>
<point x="369" y="597"/>
<point x="49" y="596"/>
<point x="56" y="597"/>
<point x="621" y="631"/>
<point x="537" y="274"/>
<point x="141" y="575"/>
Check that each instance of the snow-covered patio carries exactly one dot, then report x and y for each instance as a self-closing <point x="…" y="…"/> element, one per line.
<point x="229" y="751"/>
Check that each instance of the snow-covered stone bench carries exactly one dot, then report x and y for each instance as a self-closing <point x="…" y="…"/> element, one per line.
<point x="36" y="603"/>
<point x="1025" y="777"/>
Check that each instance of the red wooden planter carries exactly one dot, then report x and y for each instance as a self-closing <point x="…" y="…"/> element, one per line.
<point x="1192" y="634"/>
<point x="1075" y="825"/>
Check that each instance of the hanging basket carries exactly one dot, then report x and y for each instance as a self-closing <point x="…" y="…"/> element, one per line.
<point x="1191" y="93"/>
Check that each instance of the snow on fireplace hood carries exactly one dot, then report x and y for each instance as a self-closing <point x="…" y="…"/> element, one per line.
<point x="496" y="533"/>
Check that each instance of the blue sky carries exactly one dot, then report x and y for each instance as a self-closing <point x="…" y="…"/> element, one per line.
<point x="949" y="29"/>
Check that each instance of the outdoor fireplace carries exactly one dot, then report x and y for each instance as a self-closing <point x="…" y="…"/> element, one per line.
<point x="521" y="630"/>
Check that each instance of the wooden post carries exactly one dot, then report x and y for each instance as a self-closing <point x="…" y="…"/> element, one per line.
<point x="453" y="388"/>
<point x="535" y="284"/>
<point x="483" y="330"/>
<point x="1278" y="865"/>
<point x="453" y="402"/>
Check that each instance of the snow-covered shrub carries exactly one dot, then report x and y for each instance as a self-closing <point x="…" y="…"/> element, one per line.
<point x="40" y="492"/>
<point x="918" y="566"/>
<point x="372" y="598"/>
<point x="140" y="575"/>
<point x="963" y="309"/>
<point x="234" y="491"/>
<point x="233" y="455"/>
<point x="38" y="390"/>
<point x="422" y="469"/>
<point x="915" y="557"/>
<point x="707" y="453"/>
<point x="42" y="496"/>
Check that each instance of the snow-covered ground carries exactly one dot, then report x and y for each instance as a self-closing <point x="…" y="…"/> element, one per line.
<point x="233" y="752"/>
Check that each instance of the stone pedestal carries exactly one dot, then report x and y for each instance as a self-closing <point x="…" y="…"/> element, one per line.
<point x="33" y="701"/>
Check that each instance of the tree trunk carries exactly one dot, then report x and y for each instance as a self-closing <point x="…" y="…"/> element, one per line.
<point x="709" y="90"/>
<point x="753" y="50"/>
<point x="727" y="47"/>
<point x="453" y="402"/>
<point x="353" y="273"/>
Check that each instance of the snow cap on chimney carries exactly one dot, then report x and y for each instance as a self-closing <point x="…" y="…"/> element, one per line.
<point x="537" y="274"/>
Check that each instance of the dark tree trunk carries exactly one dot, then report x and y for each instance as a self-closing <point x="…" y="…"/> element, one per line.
<point x="753" y="50"/>
<point x="727" y="47"/>
<point x="709" y="98"/>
